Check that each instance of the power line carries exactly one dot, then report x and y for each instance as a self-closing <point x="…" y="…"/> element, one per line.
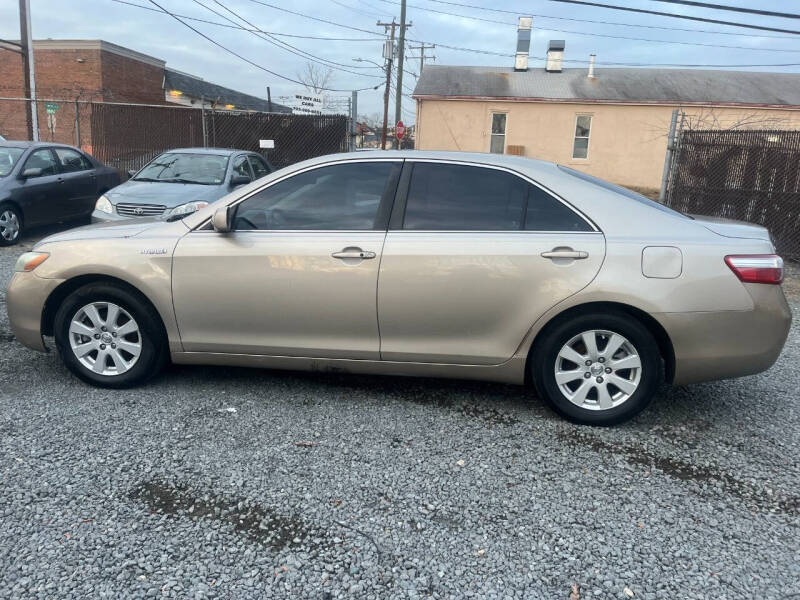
<point x="616" y="23"/>
<point x="370" y="14"/>
<point x="283" y="45"/>
<point x="247" y="60"/>
<point x="739" y="9"/>
<point x="319" y="19"/>
<point x="604" y="35"/>
<point x="239" y="27"/>
<point x="505" y="55"/>
<point x="677" y="16"/>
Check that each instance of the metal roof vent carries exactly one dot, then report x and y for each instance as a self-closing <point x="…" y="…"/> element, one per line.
<point x="591" y="66"/>
<point x="555" y="56"/>
<point x="523" y="43"/>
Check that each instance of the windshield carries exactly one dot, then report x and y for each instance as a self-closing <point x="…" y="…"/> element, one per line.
<point x="175" y="167"/>
<point x="622" y="190"/>
<point x="8" y="158"/>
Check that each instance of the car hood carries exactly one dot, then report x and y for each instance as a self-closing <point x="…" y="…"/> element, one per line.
<point x="733" y="229"/>
<point x="166" y="194"/>
<point x="109" y="230"/>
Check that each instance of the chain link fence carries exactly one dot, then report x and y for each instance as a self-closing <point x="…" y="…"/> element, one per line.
<point x="127" y="136"/>
<point x="748" y="175"/>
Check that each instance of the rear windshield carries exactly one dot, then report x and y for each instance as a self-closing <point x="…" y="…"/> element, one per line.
<point x="622" y="190"/>
<point x="8" y="158"/>
<point x="179" y="167"/>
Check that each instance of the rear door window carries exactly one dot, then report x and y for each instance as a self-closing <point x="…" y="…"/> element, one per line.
<point x="463" y="197"/>
<point x="72" y="161"/>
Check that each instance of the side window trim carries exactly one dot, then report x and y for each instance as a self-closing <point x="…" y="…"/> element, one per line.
<point x="398" y="214"/>
<point x="387" y="198"/>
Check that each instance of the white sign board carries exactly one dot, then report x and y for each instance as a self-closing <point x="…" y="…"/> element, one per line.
<point x="266" y="143"/>
<point x="307" y="104"/>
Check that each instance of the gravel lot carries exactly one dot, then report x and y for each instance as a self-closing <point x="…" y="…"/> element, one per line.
<point x="233" y="483"/>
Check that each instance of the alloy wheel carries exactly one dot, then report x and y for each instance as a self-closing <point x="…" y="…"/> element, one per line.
<point x="9" y="225"/>
<point x="598" y="370"/>
<point x="105" y="338"/>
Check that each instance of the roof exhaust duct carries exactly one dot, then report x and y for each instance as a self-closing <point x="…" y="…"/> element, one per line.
<point x="523" y="43"/>
<point x="555" y="56"/>
<point x="591" y="66"/>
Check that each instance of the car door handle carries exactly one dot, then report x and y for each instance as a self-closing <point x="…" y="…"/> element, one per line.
<point x="354" y="253"/>
<point x="573" y="254"/>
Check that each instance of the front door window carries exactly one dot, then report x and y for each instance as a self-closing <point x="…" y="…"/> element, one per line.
<point x="336" y="197"/>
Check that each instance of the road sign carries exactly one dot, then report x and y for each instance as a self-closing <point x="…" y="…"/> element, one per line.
<point x="399" y="130"/>
<point x="51" y="107"/>
<point x="266" y="144"/>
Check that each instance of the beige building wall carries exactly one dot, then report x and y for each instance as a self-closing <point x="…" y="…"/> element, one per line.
<point x="627" y="143"/>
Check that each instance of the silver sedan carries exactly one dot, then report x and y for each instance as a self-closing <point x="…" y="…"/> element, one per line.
<point x="418" y="263"/>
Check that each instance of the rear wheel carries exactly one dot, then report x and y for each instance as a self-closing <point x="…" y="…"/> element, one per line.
<point x="109" y="336"/>
<point x="10" y="224"/>
<point x="597" y="369"/>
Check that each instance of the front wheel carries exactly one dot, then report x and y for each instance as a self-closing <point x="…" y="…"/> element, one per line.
<point x="10" y="225"/>
<point x="597" y="369"/>
<point x="109" y="336"/>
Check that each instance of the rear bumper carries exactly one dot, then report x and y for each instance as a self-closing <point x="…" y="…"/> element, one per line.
<point x="25" y="301"/>
<point x="722" y="345"/>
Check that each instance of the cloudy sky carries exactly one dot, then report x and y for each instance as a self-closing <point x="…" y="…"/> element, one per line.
<point x="464" y="33"/>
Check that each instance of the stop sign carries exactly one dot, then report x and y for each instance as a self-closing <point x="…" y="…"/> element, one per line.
<point x="399" y="130"/>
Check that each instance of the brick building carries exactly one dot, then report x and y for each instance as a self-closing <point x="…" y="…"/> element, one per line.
<point x="95" y="70"/>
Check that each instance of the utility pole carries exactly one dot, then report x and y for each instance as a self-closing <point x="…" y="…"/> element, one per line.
<point x="401" y="50"/>
<point x="26" y="42"/>
<point x="422" y="47"/>
<point x="388" y="51"/>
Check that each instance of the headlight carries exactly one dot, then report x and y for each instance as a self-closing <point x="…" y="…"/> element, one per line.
<point x="30" y="260"/>
<point x="104" y="205"/>
<point x="185" y="209"/>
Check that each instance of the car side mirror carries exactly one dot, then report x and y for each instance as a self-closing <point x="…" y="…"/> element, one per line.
<point x="239" y="180"/>
<point x="31" y="172"/>
<point x="131" y="172"/>
<point x="221" y="220"/>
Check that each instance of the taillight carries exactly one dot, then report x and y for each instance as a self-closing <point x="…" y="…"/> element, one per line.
<point x="757" y="268"/>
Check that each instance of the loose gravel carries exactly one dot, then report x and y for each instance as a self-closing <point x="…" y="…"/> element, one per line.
<point x="233" y="483"/>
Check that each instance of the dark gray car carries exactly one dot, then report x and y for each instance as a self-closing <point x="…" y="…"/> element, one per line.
<point x="43" y="183"/>
<point x="179" y="182"/>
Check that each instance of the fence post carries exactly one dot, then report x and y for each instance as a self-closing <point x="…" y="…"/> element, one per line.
<point x="77" y="124"/>
<point x="353" y="119"/>
<point x="668" y="159"/>
<point x="203" y="117"/>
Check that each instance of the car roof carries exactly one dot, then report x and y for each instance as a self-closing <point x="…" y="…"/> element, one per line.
<point x="216" y="151"/>
<point x="517" y="163"/>
<point x="29" y="144"/>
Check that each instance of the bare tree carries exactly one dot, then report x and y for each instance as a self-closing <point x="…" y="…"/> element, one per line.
<point x="315" y="78"/>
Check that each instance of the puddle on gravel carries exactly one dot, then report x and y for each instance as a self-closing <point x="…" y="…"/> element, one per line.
<point x="256" y="522"/>
<point x="684" y="471"/>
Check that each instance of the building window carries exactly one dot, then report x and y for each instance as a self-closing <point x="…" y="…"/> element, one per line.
<point x="580" y="147"/>
<point x="498" y="144"/>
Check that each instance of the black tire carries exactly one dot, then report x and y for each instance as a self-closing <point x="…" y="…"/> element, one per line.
<point x="554" y="338"/>
<point x="10" y="209"/>
<point x="154" y="352"/>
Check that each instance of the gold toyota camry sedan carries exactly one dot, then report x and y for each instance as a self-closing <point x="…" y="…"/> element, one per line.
<point x="417" y="263"/>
